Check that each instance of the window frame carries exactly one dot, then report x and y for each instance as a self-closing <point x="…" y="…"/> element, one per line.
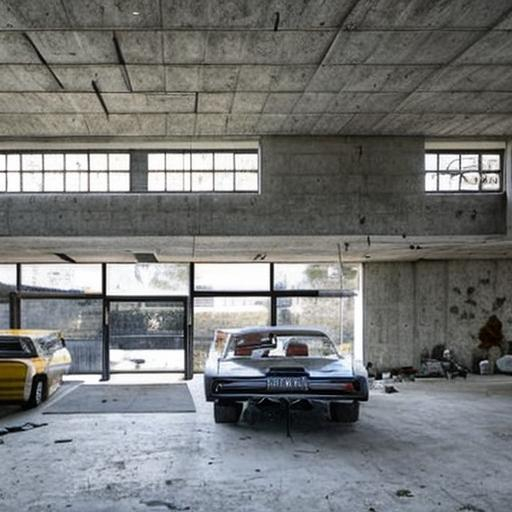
<point x="64" y="170"/>
<point x="190" y="172"/>
<point x="480" y="171"/>
<point x="270" y="294"/>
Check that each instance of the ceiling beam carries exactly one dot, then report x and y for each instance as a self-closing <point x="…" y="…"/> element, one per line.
<point x="43" y="60"/>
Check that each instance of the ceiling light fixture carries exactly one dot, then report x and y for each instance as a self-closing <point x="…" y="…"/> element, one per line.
<point x="136" y="13"/>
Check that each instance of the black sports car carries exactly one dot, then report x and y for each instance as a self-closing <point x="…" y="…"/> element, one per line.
<point x="289" y="364"/>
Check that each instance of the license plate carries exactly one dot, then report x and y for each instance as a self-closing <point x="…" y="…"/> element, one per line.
<point x="287" y="384"/>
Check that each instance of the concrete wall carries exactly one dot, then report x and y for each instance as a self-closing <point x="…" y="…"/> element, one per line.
<point x="411" y="306"/>
<point x="310" y="186"/>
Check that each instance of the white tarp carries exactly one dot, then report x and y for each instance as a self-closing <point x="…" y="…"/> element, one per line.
<point x="504" y="364"/>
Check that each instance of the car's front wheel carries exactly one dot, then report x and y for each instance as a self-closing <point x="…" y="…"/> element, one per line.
<point x="38" y="393"/>
<point x="226" y="412"/>
<point x="344" y="412"/>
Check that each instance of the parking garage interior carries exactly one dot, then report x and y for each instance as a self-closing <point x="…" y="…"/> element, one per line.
<point x="170" y="169"/>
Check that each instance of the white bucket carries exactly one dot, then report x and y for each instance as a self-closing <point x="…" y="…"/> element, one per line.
<point x="485" y="367"/>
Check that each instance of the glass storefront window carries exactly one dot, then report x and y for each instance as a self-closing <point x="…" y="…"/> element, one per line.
<point x="79" y="320"/>
<point x="7" y="279"/>
<point x="70" y="278"/>
<point x="314" y="276"/>
<point x="4" y="313"/>
<point x="141" y="326"/>
<point x="143" y="279"/>
<point x="335" y="316"/>
<point x="7" y="285"/>
<point x="212" y="313"/>
<point x="351" y="276"/>
<point x="232" y="277"/>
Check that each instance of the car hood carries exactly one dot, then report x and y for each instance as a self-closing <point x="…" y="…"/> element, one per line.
<point x="315" y="367"/>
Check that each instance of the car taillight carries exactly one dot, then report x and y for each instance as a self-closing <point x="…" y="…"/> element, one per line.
<point x="348" y="386"/>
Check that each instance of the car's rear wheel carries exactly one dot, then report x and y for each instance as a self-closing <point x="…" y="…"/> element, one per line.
<point x="344" y="412"/>
<point x="227" y="412"/>
<point x="38" y="393"/>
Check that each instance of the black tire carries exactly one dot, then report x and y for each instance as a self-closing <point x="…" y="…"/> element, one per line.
<point x="344" y="413"/>
<point x="226" y="412"/>
<point x="37" y="394"/>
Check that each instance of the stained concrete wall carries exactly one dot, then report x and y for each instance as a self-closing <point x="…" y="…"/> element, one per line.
<point x="412" y="306"/>
<point x="309" y="186"/>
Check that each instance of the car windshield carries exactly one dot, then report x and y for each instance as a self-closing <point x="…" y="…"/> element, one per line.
<point x="258" y="345"/>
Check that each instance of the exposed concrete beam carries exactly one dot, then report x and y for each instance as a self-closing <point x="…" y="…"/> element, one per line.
<point x="285" y="248"/>
<point x="122" y="63"/>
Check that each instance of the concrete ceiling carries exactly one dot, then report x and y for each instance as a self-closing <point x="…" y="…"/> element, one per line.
<point x="171" y="68"/>
<point x="246" y="249"/>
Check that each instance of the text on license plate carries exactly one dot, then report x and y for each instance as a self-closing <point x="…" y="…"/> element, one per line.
<point x="287" y="384"/>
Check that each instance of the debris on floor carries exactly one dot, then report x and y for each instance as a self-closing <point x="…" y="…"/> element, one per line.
<point x="167" y="504"/>
<point x="21" y="428"/>
<point x="404" y="493"/>
<point x="397" y="374"/>
<point x="403" y="373"/>
<point x="62" y="441"/>
<point x="441" y="362"/>
<point x="431" y="368"/>
<point x="381" y="385"/>
<point x="504" y="364"/>
<point x="485" y="367"/>
<point x="470" y="508"/>
<point x="452" y="367"/>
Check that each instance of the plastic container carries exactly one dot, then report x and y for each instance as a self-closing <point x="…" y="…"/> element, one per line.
<point x="485" y="367"/>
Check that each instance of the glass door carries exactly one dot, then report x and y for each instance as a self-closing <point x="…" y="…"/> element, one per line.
<point x="147" y="335"/>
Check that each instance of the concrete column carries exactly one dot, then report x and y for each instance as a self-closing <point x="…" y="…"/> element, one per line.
<point x="138" y="172"/>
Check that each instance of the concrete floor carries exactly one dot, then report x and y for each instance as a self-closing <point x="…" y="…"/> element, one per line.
<point x="446" y="446"/>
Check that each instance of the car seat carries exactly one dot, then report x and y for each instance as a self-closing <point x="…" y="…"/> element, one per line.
<point x="296" y="349"/>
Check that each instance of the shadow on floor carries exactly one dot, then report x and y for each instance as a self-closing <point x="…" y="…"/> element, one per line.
<point x="273" y="419"/>
<point x="9" y="410"/>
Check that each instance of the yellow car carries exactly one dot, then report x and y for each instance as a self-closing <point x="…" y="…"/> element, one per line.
<point x="32" y="364"/>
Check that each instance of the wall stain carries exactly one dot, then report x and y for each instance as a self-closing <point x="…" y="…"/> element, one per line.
<point x="491" y="334"/>
<point x="499" y="301"/>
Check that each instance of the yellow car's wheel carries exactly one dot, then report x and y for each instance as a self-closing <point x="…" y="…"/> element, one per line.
<point x="38" y="393"/>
